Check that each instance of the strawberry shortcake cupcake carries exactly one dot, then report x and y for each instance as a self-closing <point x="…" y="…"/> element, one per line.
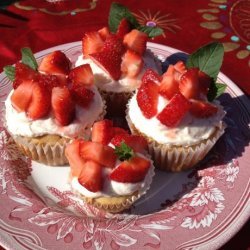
<point x="113" y="170"/>
<point x="118" y="61"/>
<point x="51" y="104"/>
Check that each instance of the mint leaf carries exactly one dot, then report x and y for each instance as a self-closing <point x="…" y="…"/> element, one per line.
<point x="215" y="90"/>
<point x="28" y="58"/>
<point x="208" y="59"/>
<point x="10" y="72"/>
<point x="151" y="31"/>
<point x="117" y="13"/>
<point x="124" y="152"/>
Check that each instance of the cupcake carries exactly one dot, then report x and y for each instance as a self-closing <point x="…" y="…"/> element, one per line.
<point x="173" y="114"/>
<point x="118" y="61"/>
<point x="113" y="170"/>
<point x="50" y="105"/>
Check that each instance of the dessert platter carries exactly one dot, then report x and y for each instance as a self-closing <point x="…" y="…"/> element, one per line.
<point x="98" y="158"/>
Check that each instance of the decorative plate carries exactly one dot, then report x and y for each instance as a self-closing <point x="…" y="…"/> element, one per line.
<point x="201" y="208"/>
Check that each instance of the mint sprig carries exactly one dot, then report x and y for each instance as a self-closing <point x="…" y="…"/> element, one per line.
<point x="28" y="58"/>
<point x="124" y="152"/>
<point x="10" y="72"/>
<point x="215" y="90"/>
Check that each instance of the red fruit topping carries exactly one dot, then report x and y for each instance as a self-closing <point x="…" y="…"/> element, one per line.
<point x="204" y="82"/>
<point x="55" y="63"/>
<point x="104" y="33"/>
<point x="136" y="41"/>
<point x="169" y="86"/>
<point x="174" y="111"/>
<point x="117" y="131"/>
<point x="147" y="99"/>
<point x="113" y="43"/>
<point x="133" y="170"/>
<point x="51" y="81"/>
<point x="132" y="63"/>
<point x="82" y="96"/>
<point x="123" y="28"/>
<point x="62" y="105"/>
<point x="91" y="176"/>
<point x="189" y="83"/>
<point x="202" y="109"/>
<point x="151" y="76"/>
<point x="91" y="43"/>
<point x="99" y="153"/>
<point x="102" y="131"/>
<point x="72" y="153"/>
<point x="180" y="67"/>
<point x="81" y="75"/>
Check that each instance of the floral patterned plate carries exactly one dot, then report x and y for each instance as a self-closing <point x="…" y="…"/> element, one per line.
<point x="201" y="208"/>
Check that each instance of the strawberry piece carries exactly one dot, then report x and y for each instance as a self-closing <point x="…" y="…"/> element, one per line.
<point x="180" y="67"/>
<point x="174" y="111"/>
<point x="136" y="40"/>
<point x="204" y="82"/>
<point x="91" y="43"/>
<point x="99" y="153"/>
<point x="104" y="33"/>
<point x="202" y="109"/>
<point x="91" y="176"/>
<point x="147" y="99"/>
<point x="82" y="96"/>
<point x="102" y="131"/>
<point x="55" y="63"/>
<point x="189" y="84"/>
<point x="132" y="63"/>
<point x="151" y="76"/>
<point x="123" y="28"/>
<point x="76" y="162"/>
<point x="113" y="43"/>
<point x="51" y="81"/>
<point x="81" y="75"/>
<point x="117" y="131"/>
<point x="63" y="105"/>
<point x="133" y="170"/>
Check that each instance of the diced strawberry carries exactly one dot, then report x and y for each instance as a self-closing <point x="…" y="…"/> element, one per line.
<point x="174" y="111"/>
<point x="136" y="40"/>
<point x="51" y="81"/>
<point x="132" y="63"/>
<point x="132" y="171"/>
<point x="76" y="162"/>
<point x="147" y="99"/>
<point x="151" y="76"/>
<point x="63" y="105"/>
<point x="118" y="139"/>
<point x="204" y="82"/>
<point x="99" y="153"/>
<point x="171" y="71"/>
<point x="180" y="67"/>
<point x="102" y="131"/>
<point x="123" y="28"/>
<point x="202" y="109"/>
<point x="189" y="83"/>
<point x="91" y="43"/>
<point x="81" y="75"/>
<point x="82" y="96"/>
<point x="55" y="63"/>
<point x="117" y="131"/>
<point x="114" y="43"/>
<point x="104" y="33"/>
<point x="91" y="176"/>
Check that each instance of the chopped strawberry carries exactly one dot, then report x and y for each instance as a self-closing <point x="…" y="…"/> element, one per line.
<point x="169" y="86"/>
<point x="151" y="76"/>
<point x="136" y="40"/>
<point x="104" y="33"/>
<point x="133" y="170"/>
<point x="189" y="83"/>
<point x="117" y="131"/>
<point x="51" y="81"/>
<point x="119" y="138"/>
<point x="180" y="67"/>
<point x="91" y="176"/>
<point x="147" y="99"/>
<point x="123" y="28"/>
<point x="91" y="43"/>
<point x="204" y="82"/>
<point x="132" y="63"/>
<point x="102" y="131"/>
<point x="114" y="43"/>
<point x="72" y="153"/>
<point x="82" y="96"/>
<point x="55" y="63"/>
<point x="174" y="111"/>
<point x="63" y="105"/>
<point x="81" y="75"/>
<point x="171" y="71"/>
<point x="202" y="109"/>
<point x="99" y="153"/>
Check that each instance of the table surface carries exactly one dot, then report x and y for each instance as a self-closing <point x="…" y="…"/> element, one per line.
<point x="41" y="25"/>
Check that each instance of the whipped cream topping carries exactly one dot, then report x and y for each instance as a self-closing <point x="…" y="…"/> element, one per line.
<point x="113" y="188"/>
<point x="19" y="124"/>
<point x="124" y="84"/>
<point x="190" y="130"/>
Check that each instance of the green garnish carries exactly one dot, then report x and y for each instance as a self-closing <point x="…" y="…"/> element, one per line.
<point x="10" y="72"/>
<point x="28" y="58"/>
<point x="124" y="152"/>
